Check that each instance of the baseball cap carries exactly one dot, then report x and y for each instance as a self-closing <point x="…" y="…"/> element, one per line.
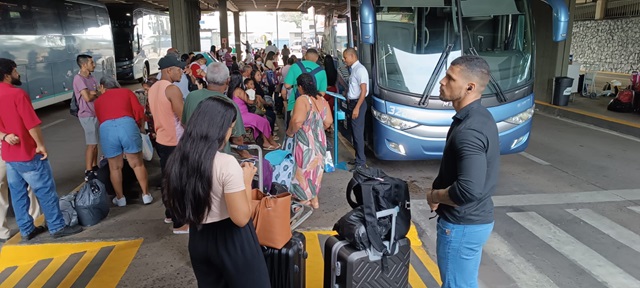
<point x="170" y="60"/>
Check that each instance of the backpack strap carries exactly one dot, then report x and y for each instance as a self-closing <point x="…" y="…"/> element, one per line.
<point x="371" y="220"/>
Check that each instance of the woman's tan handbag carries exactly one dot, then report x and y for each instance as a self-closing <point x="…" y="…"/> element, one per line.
<point x="271" y="217"/>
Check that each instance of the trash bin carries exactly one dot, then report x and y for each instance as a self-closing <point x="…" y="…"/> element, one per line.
<point x="562" y="91"/>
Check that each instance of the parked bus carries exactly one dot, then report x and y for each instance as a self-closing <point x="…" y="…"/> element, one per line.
<point x="140" y="37"/>
<point x="407" y="46"/>
<point x="44" y="37"/>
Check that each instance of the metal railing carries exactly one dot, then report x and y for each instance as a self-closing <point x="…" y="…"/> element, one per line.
<point x="585" y="12"/>
<point x="622" y="8"/>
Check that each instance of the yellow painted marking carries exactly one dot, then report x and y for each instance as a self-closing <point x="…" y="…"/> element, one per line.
<point x="77" y="270"/>
<point x="315" y="262"/>
<point x="428" y="263"/>
<point x="591" y="114"/>
<point x="53" y="266"/>
<point x="17" y="275"/>
<point x="116" y="264"/>
<point x="413" y="236"/>
<point x="108" y="275"/>
<point x="414" y="279"/>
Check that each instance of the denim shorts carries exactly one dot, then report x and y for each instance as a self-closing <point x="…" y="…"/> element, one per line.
<point x="119" y="136"/>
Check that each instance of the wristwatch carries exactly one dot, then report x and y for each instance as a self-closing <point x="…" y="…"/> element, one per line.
<point x="4" y="137"/>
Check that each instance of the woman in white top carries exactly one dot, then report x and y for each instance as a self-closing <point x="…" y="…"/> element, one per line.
<point x="211" y="191"/>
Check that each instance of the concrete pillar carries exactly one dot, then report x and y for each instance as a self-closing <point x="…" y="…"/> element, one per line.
<point x="552" y="58"/>
<point x="224" y="24"/>
<point x="601" y="8"/>
<point x="236" y="32"/>
<point x="185" y="25"/>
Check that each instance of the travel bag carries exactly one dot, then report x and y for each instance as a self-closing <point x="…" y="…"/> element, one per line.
<point x="287" y="266"/>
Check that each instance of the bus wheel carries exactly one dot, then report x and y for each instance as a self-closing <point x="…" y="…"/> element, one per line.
<point x="145" y="73"/>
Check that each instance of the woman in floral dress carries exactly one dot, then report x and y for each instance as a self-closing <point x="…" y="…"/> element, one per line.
<point x="311" y="116"/>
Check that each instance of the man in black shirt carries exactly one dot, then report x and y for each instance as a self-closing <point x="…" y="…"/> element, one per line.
<point x="461" y="194"/>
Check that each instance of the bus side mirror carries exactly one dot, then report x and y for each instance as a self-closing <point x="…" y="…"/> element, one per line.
<point x="367" y="22"/>
<point x="560" y="19"/>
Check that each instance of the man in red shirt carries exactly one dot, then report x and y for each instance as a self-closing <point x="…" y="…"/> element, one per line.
<point x="26" y="156"/>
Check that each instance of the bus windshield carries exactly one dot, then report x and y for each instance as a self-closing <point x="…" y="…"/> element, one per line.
<point x="411" y="38"/>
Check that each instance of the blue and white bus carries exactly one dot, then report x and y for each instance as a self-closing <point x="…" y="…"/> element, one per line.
<point x="407" y="47"/>
<point x="44" y="37"/>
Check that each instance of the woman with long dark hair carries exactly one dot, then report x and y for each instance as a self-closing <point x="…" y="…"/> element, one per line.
<point x="209" y="190"/>
<point x="310" y="117"/>
<point x="265" y="98"/>
<point x="259" y="124"/>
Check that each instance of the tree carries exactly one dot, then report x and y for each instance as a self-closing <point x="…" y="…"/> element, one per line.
<point x="294" y="17"/>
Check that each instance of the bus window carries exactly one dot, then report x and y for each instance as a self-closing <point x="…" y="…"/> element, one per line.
<point x="72" y="19"/>
<point x="48" y="21"/>
<point x="15" y="18"/>
<point x="89" y="18"/>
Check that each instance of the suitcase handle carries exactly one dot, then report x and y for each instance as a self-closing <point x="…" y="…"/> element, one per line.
<point x="260" y="161"/>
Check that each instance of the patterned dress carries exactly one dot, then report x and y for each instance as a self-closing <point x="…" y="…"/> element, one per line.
<point x="309" y="152"/>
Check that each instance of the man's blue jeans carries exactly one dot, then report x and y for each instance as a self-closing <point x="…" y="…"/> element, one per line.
<point x="459" y="249"/>
<point x="38" y="174"/>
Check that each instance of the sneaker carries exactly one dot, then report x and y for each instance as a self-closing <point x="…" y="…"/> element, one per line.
<point x="34" y="233"/>
<point x="67" y="231"/>
<point x="357" y="167"/>
<point x="95" y="170"/>
<point x="147" y="198"/>
<point x="88" y="175"/>
<point x="168" y="220"/>
<point x="120" y="202"/>
<point x="182" y="230"/>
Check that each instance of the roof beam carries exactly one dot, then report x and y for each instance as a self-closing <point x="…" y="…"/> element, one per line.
<point x="254" y="4"/>
<point x="278" y="5"/>
<point x="232" y="6"/>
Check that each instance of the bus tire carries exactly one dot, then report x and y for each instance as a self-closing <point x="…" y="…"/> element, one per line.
<point x="145" y="73"/>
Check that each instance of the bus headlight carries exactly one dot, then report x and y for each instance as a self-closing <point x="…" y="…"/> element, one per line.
<point x="522" y="117"/>
<point x="394" y="122"/>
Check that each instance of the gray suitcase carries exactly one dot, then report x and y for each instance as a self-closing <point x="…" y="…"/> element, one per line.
<point x="347" y="267"/>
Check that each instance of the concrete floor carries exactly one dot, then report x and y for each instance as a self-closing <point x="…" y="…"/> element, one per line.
<point x="564" y="162"/>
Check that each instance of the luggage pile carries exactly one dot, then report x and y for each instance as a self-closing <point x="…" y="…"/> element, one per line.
<point x="371" y="249"/>
<point x="275" y="217"/>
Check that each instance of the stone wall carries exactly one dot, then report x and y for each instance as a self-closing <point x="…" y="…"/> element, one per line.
<point x="612" y="44"/>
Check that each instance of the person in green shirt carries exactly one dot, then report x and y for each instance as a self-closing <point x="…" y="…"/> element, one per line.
<point x="311" y="67"/>
<point x="218" y="80"/>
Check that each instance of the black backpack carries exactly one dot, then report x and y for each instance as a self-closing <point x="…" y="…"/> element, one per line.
<point x="376" y="191"/>
<point x="73" y="107"/>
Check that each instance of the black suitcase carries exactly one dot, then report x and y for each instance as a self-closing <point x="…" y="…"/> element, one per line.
<point x="287" y="265"/>
<point x="347" y="267"/>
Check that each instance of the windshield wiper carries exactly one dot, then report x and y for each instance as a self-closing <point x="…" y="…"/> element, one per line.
<point x="494" y="84"/>
<point x="424" y="100"/>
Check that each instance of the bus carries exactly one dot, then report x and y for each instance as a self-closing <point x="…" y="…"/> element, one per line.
<point x="140" y="38"/>
<point x="407" y="46"/>
<point x="44" y="37"/>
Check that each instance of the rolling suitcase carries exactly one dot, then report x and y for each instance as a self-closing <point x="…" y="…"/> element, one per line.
<point x="287" y="265"/>
<point x="347" y="267"/>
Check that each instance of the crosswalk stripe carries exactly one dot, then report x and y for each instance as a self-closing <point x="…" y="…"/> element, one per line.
<point x="635" y="208"/>
<point x="594" y="263"/>
<point x="613" y="229"/>
<point x="520" y="270"/>
<point x="48" y="272"/>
